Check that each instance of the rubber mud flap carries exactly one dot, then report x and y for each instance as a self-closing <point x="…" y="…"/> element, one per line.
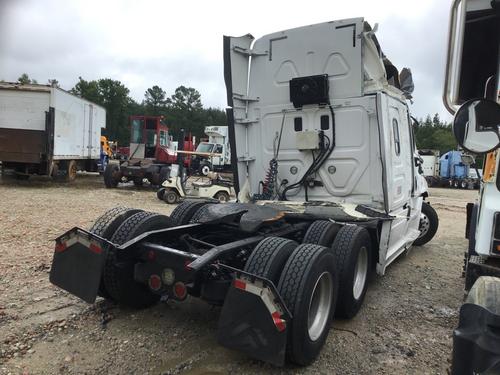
<point x="248" y="324"/>
<point x="78" y="264"/>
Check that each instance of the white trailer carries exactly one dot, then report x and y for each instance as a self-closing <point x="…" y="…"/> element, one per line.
<point x="45" y="130"/>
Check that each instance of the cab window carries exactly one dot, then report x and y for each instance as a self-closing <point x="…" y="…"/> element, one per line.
<point x="397" y="142"/>
<point x="163" y="138"/>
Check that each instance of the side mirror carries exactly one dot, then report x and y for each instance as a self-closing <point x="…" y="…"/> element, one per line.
<point x="468" y="160"/>
<point x="476" y="126"/>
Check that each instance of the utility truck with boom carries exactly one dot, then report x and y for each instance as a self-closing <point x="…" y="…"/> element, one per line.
<point x="471" y="93"/>
<point x="326" y="172"/>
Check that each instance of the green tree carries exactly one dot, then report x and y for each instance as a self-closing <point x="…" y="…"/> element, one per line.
<point x="24" y="79"/>
<point x="155" y="101"/>
<point x="114" y="96"/>
<point x="434" y="134"/>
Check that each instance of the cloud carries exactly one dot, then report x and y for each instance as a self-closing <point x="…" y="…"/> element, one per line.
<point x="143" y="43"/>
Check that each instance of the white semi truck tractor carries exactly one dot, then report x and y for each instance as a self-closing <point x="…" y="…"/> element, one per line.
<point x="471" y="93"/>
<point x="329" y="191"/>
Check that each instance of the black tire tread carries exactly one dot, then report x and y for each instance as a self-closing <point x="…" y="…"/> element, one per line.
<point x="342" y="248"/>
<point x="200" y="213"/>
<point x="104" y="223"/>
<point x="294" y="272"/>
<point x="129" y="229"/>
<point x="320" y="233"/>
<point x="183" y="213"/>
<point x="265" y="255"/>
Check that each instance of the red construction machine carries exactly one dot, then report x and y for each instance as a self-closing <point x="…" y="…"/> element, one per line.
<point x="151" y="152"/>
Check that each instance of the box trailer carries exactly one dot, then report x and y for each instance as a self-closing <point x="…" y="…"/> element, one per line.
<point x="45" y="130"/>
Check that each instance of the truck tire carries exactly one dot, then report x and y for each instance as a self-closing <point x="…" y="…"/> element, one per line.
<point x="308" y="286"/>
<point x="463" y="184"/>
<point x="71" y="169"/>
<point x="352" y="249"/>
<point x="269" y="257"/>
<point x="119" y="275"/>
<point x="429" y="223"/>
<point x="205" y="168"/>
<point x="200" y="213"/>
<point x="171" y="196"/>
<point x="183" y="213"/>
<point x="222" y="196"/>
<point x="112" y="175"/>
<point x="105" y="226"/>
<point x="321" y="232"/>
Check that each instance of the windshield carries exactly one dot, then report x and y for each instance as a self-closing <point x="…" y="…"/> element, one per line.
<point x="137" y="126"/>
<point x="205" y="147"/>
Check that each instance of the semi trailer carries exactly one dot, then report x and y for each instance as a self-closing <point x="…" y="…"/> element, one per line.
<point x="471" y="93"/>
<point x="45" y="130"/>
<point x="329" y="191"/>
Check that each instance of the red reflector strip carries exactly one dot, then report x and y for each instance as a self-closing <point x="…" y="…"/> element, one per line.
<point x="60" y="247"/>
<point x="239" y="284"/>
<point x="278" y="322"/>
<point x="95" y="249"/>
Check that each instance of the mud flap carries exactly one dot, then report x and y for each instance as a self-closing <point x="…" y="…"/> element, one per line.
<point x="78" y="263"/>
<point x="254" y="320"/>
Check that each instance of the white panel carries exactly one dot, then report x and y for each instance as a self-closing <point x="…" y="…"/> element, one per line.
<point x="74" y="138"/>
<point x="23" y="109"/>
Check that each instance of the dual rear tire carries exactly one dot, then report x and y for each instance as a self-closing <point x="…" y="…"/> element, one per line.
<point x="306" y="278"/>
<point x="119" y="225"/>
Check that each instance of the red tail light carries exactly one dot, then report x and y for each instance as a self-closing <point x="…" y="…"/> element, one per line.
<point x="180" y="291"/>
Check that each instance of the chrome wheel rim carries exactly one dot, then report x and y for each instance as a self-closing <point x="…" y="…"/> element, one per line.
<point x="360" y="272"/>
<point x="320" y="305"/>
<point x="424" y="225"/>
<point x="205" y="170"/>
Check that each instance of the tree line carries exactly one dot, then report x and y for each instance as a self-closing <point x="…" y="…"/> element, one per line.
<point x="184" y="110"/>
<point x="434" y="134"/>
<point x="181" y="110"/>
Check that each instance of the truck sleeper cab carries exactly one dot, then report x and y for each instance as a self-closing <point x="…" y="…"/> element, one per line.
<point x="325" y="166"/>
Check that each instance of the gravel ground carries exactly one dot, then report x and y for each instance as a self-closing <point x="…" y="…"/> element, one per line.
<point x="404" y="327"/>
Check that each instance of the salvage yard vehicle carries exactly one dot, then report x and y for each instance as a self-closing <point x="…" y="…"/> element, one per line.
<point x="151" y="153"/>
<point x="214" y="154"/>
<point x="48" y="131"/>
<point x="471" y="93"/>
<point x="173" y="189"/>
<point x="326" y="171"/>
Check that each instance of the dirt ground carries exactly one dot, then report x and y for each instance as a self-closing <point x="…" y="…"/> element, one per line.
<point x="404" y="327"/>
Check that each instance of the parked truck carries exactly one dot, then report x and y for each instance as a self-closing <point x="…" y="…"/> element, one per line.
<point x="151" y="153"/>
<point x="45" y="130"/>
<point x="471" y="93"/>
<point x="448" y="170"/>
<point x="329" y="190"/>
<point x="213" y="155"/>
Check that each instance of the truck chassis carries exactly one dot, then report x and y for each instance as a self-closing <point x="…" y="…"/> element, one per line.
<point x="258" y="261"/>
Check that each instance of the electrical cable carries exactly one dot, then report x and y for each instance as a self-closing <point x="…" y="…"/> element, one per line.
<point x="318" y="162"/>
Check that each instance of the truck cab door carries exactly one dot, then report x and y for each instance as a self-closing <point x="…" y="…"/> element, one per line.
<point x="400" y="176"/>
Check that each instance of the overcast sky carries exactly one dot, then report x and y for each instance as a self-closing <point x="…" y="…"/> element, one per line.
<point x="172" y="43"/>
